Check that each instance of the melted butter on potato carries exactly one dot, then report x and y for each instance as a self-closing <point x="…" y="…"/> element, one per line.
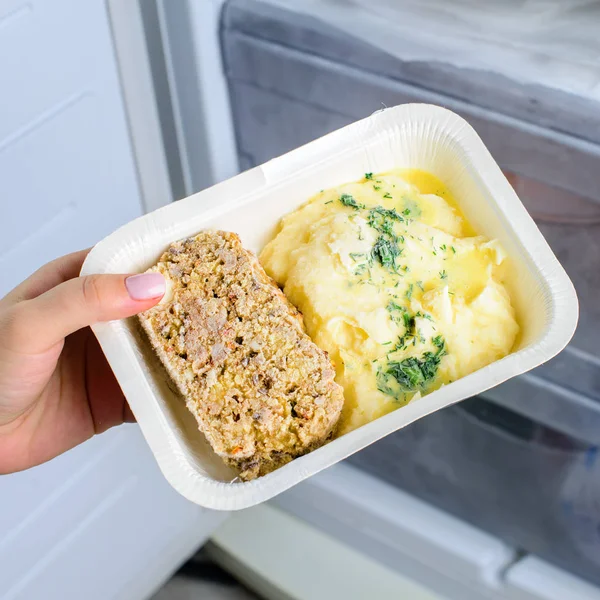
<point x="394" y="283"/>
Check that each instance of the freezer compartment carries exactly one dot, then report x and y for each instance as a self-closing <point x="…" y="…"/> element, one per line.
<point x="528" y="484"/>
<point x="565" y="160"/>
<point x="283" y="96"/>
<point x="535" y="396"/>
<point x="302" y="30"/>
<point x="571" y="224"/>
<point x="409" y="536"/>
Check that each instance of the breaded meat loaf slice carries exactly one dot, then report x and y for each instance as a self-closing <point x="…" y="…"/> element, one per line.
<point x="261" y="390"/>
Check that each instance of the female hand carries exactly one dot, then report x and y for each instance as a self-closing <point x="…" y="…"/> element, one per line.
<point x="56" y="388"/>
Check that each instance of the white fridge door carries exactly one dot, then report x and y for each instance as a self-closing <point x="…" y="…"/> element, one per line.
<point x="99" y="522"/>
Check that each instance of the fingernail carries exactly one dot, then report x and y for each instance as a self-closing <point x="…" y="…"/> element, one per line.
<point x="145" y="286"/>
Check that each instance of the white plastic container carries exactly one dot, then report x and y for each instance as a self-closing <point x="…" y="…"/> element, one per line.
<point x="251" y="204"/>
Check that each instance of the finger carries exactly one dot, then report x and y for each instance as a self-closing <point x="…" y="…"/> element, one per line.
<point x="45" y="278"/>
<point x="127" y="414"/>
<point x="38" y="324"/>
<point x="105" y="398"/>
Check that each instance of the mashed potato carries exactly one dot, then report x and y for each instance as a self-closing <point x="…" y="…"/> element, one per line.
<point x="395" y="285"/>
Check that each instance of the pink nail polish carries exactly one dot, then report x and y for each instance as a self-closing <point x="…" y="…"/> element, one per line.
<point x="145" y="286"/>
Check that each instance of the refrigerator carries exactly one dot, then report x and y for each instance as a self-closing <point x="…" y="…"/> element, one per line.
<point x="111" y="109"/>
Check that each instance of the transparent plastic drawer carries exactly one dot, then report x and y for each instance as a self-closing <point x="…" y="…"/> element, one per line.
<point x="530" y="485"/>
<point x="571" y="225"/>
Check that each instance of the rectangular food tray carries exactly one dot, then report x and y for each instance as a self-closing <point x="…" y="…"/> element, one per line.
<point x="251" y="204"/>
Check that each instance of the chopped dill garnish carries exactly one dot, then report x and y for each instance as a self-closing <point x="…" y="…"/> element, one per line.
<point x="329" y="202"/>
<point x="443" y="274"/>
<point x="348" y="200"/>
<point x="363" y="268"/>
<point x="376" y="187"/>
<point x="453" y="249"/>
<point x="400" y="314"/>
<point x="406" y="211"/>
<point x="420" y="286"/>
<point x="387" y="195"/>
<point x="412" y="373"/>
<point x="409" y="292"/>
<point x="382" y="384"/>
<point x="425" y="316"/>
<point x="368" y="175"/>
<point x="382" y="219"/>
<point x="392" y="306"/>
<point x="438" y="341"/>
<point x="385" y="252"/>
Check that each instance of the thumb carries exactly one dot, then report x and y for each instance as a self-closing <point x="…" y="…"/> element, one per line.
<point x="46" y="320"/>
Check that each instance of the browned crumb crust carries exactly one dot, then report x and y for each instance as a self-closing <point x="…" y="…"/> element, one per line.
<point x="261" y="390"/>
